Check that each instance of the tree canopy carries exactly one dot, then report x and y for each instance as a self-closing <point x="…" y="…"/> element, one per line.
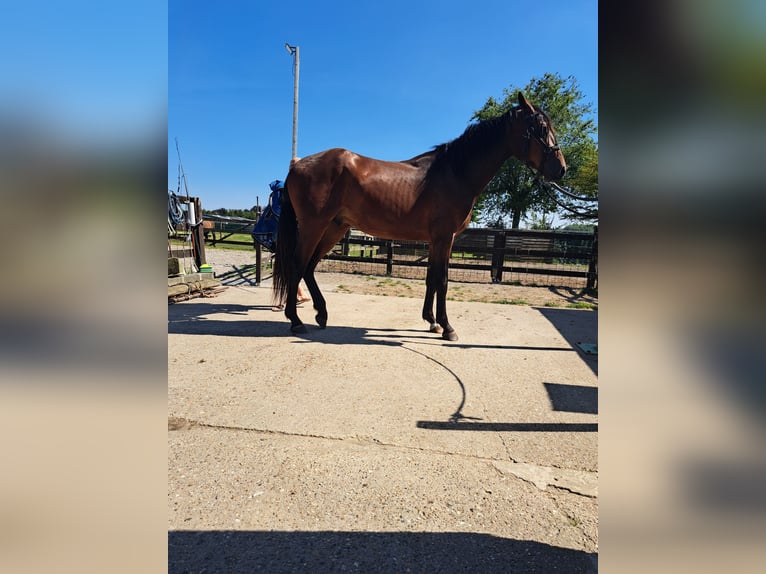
<point x="515" y="190"/>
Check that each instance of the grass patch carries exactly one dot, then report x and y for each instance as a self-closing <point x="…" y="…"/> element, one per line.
<point x="244" y="237"/>
<point x="573" y="521"/>
<point x="234" y="247"/>
<point x="388" y="282"/>
<point x="510" y="301"/>
<point x="583" y="305"/>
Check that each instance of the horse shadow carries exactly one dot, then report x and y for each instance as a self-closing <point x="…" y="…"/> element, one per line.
<point x="191" y="311"/>
<point x="192" y="319"/>
<point x="242" y="321"/>
<point x="236" y="320"/>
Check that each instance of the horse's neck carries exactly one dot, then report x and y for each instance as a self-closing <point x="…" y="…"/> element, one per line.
<point x="488" y="161"/>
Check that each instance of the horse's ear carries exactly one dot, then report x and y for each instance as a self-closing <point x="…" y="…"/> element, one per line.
<point x="524" y="103"/>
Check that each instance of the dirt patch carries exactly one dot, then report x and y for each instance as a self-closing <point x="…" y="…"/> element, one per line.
<point x="180" y="423"/>
<point x="235" y="267"/>
<point x="457" y="291"/>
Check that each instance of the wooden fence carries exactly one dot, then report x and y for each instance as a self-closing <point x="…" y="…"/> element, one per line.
<point x="480" y="255"/>
<point x="550" y="258"/>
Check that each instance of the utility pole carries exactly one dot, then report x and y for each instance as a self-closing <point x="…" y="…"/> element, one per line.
<point x="294" y="51"/>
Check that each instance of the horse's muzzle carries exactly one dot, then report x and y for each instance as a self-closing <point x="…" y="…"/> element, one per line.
<point x="554" y="170"/>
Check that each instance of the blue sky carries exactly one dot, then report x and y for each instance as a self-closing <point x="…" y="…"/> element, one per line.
<point x="385" y="79"/>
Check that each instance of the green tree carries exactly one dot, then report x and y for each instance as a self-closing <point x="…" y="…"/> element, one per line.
<point x="578" y="227"/>
<point x="251" y="213"/>
<point x="538" y="220"/>
<point x="515" y="190"/>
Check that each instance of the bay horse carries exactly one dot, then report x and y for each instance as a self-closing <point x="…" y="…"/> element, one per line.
<point x="426" y="198"/>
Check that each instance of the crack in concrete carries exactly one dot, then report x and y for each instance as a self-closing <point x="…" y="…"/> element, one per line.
<point x="579" y="482"/>
<point x="181" y="423"/>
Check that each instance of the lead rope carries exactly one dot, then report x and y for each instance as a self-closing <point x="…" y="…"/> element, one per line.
<point x="569" y="193"/>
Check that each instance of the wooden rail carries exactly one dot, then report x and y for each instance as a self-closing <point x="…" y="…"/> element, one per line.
<point x="494" y="251"/>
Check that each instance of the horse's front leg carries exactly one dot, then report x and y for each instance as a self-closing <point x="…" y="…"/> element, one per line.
<point x="428" y="303"/>
<point x="438" y="268"/>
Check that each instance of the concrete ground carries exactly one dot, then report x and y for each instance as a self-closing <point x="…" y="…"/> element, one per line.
<point x="375" y="446"/>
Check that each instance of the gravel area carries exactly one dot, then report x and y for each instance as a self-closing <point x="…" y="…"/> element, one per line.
<point x="373" y="445"/>
<point x="237" y="268"/>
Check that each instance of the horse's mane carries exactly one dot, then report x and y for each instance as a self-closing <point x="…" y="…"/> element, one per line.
<point x="477" y="138"/>
<point x="474" y="141"/>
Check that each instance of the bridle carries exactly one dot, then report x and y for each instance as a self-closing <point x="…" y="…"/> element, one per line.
<point x="535" y="130"/>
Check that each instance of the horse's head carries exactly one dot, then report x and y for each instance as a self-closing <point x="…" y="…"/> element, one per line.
<point x="541" y="151"/>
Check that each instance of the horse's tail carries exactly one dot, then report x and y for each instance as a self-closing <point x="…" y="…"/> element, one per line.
<point x="287" y="240"/>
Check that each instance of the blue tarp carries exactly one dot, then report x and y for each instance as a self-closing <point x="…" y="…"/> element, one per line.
<point x="265" y="230"/>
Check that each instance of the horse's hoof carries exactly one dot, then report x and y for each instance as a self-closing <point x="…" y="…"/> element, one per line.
<point x="321" y="321"/>
<point x="449" y="335"/>
<point x="435" y="328"/>
<point x="298" y="329"/>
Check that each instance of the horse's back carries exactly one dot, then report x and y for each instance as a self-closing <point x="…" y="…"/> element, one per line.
<point x="323" y="162"/>
<point x="335" y="160"/>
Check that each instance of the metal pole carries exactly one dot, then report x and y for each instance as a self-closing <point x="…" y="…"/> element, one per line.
<point x="295" y="51"/>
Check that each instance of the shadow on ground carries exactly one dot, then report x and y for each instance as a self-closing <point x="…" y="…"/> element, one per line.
<point x="573" y="398"/>
<point x="192" y="319"/>
<point x="576" y="326"/>
<point x="238" y="552"/>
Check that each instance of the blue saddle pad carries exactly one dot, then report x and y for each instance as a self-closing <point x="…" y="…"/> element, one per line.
<point x="265" y="229"/>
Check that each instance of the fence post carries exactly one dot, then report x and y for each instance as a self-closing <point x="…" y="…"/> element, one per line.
<point x="257" y="262"/>
<point x="345" y="243"/>
<point x="389" y="257"/>
<point x="198" y="234"/>
<point x="498" y="256"/>
<point x="593" y="264"/>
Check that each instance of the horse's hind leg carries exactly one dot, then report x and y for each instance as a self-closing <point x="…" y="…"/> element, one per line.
<point x="428" y="303"/>
<point x="308" y="239"/>
<point x="331" y="236"/>
<point x="291" y="302"/>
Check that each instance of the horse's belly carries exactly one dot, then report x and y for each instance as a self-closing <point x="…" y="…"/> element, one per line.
<point x="389" y="225"/>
